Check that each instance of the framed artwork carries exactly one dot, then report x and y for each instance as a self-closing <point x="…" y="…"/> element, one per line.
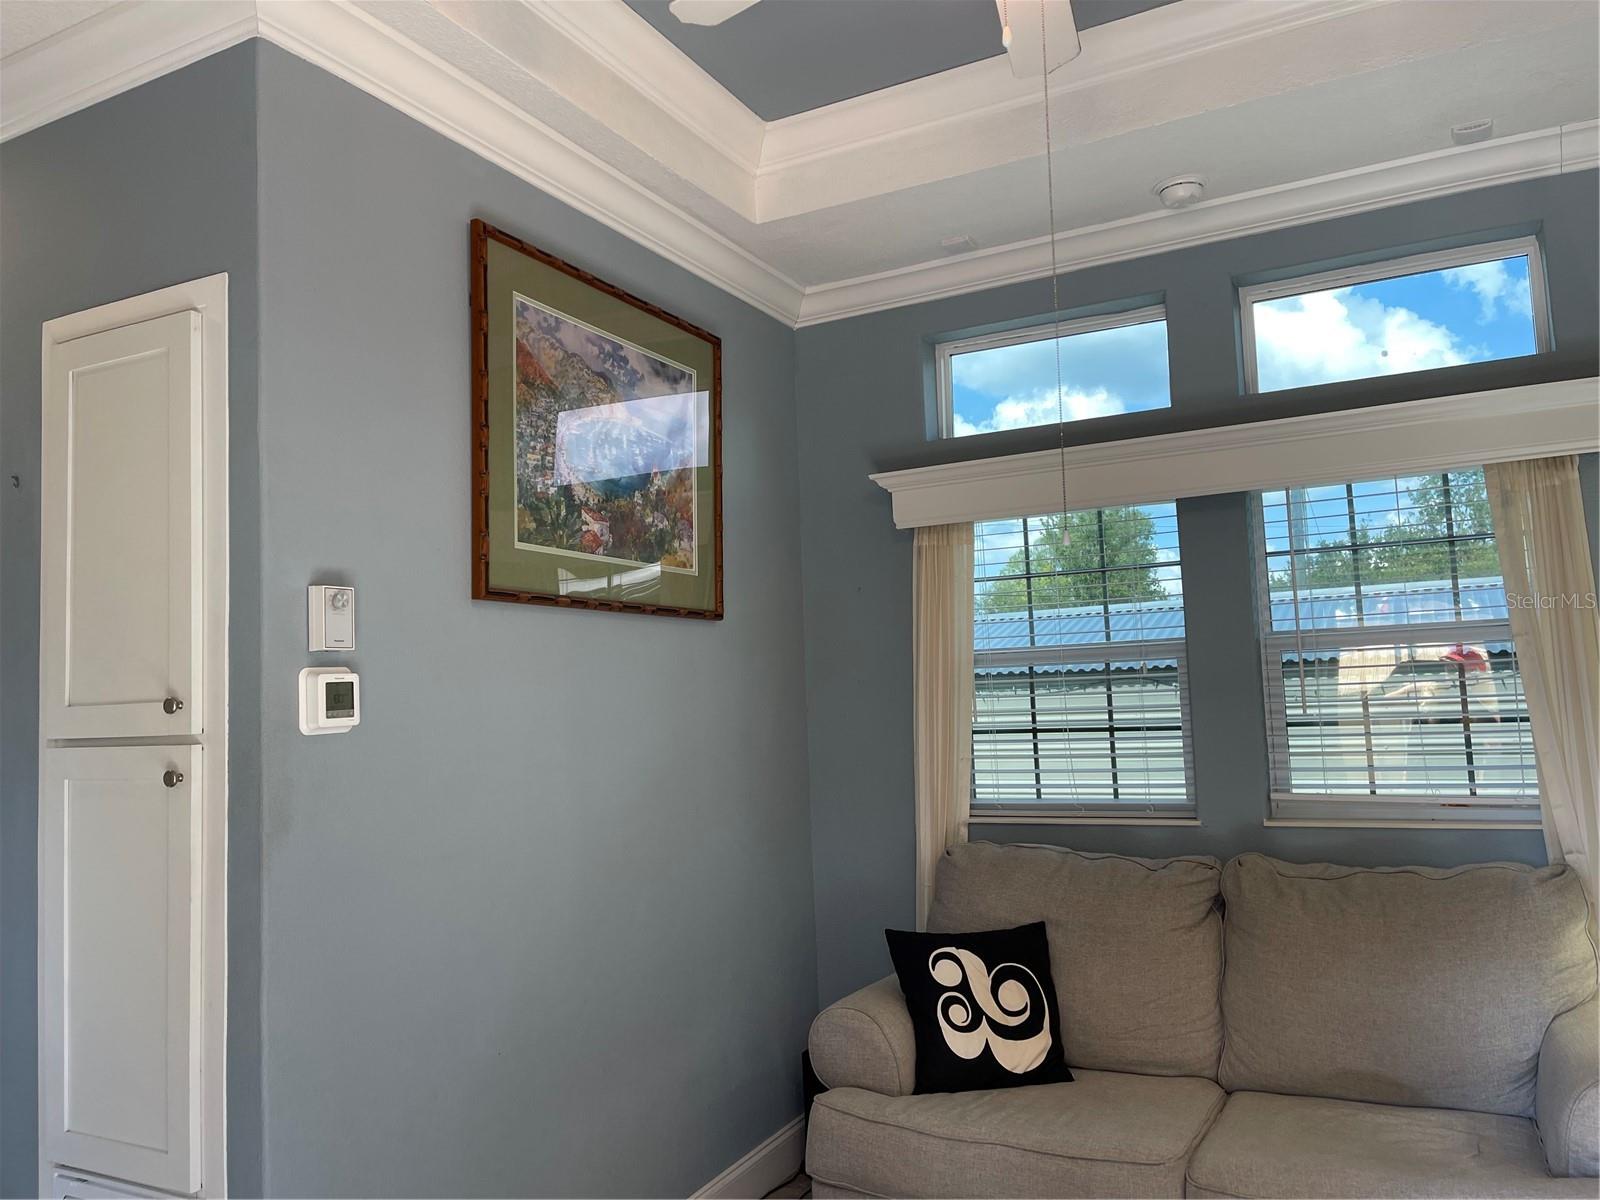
<point x="596" y="441"/>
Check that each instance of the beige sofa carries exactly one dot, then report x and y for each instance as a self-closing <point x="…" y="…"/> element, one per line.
<point x="1339" y="1032"/>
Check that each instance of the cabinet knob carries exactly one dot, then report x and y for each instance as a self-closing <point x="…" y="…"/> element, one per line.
<point x="172" y="778"/>
<point x="172" y="704"/>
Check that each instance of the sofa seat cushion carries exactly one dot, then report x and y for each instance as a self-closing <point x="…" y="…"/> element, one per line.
<point x="1105" y="1134"/>
<point x="1266" y="1145"/>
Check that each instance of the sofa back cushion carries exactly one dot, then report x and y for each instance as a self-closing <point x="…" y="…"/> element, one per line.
<point x="1398" y="985"/>
<point x="1135" y="946"/>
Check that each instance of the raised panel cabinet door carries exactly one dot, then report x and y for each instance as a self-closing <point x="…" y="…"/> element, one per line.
<point x="121" y="599"/>
<point x="120" y="963"/>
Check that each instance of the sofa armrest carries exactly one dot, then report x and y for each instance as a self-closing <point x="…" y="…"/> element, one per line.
<point x="865" y="1041"/>
<point x="1567" y="1101"/>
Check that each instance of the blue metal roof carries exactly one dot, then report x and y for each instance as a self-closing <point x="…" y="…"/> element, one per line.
<point x="1407" y="604"/>
<point x="1148" y="620"/>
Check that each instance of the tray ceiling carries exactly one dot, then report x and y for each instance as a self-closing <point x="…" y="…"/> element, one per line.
<point x="782" y="57"/>
<point x="1293" y="111"/>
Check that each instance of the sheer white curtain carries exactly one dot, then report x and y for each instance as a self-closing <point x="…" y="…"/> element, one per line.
<point x="941" y="635"/>
<point x="1544" y="556"/>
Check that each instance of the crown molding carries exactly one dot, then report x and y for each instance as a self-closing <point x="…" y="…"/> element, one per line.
<point x="110" y="53"/>
<point x="1573" y="147"/>
<point x="1416" y="436"/>
<point x="136" y="42"/>
<point x="987" y="88"/>
<point x="348" y="42"/>
<point x="613" y="34"/>
<point x="667" y="112"/>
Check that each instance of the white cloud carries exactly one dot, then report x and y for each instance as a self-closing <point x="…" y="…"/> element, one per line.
<point x="1039" y="407"/>
<point x="1339" y="334"/>
<point x="1495" y="287"/>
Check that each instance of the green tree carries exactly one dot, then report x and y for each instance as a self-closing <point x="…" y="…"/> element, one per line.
<point x="1413" y="548"/>
<point x="1067" y="554"/>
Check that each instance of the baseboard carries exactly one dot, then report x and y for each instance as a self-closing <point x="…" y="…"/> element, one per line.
<point x="764" y="1168"/>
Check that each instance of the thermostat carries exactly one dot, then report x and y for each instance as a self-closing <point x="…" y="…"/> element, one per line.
<point x="331" y="616"/>
<point x="330" y="700"/>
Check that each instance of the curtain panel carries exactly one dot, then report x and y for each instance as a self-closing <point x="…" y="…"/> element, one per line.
<point x="1537" y="506"/>
<point x="941" y="634"/>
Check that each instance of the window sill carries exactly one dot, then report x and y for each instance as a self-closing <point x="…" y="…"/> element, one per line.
<point x="1014" y="818"/>
<point x="1331" y="823"/>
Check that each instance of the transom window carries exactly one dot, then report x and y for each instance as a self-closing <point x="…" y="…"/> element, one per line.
<point x="1392" y="682"/>
<point x="1108" y="365"/>
<point x="1434" y="310"/>
<point x="1080" y="704"/>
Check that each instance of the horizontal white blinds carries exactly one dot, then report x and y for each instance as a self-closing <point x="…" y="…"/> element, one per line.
<point x="1391" y="677"/>
<point x="1078" y="653"/>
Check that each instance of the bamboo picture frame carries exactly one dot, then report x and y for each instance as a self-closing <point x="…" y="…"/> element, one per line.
<point x="596" y="441"/>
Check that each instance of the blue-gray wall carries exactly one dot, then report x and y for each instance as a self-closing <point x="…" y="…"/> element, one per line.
<point x="863" y="405"/>
<point x="542" y="925"/>
<point x="151" y="188"/>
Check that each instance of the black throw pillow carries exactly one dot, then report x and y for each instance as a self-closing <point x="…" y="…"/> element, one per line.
<point x="983" y="1008"/>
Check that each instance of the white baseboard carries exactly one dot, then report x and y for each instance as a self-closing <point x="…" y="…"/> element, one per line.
<point x="764" y="1168"/>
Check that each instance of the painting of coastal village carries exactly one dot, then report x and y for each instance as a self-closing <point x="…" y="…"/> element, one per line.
<point x="607" y="442"/>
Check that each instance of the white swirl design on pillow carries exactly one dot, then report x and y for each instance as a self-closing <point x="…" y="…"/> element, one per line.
<point x="1004" y="1009"/>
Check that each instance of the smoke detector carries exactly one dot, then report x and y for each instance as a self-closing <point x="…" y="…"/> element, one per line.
<point x="1180" y="191"/>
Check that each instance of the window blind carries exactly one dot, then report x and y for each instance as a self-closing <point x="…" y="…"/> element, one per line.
<point x="1080" y="703"/>
<point x="1391" y="677"/>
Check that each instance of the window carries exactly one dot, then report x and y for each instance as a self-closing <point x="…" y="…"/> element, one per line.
<point x="1435" y="310"/>
<point x="1078" y="653"/>
<point x="1109" y="365"/>
<point x="1392" y="682"/>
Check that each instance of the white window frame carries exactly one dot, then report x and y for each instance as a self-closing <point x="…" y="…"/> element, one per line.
<point x="1287" y="807"/>
<point x="1395" y="268"/>
<point x="945" y="351"/>
<point x="1108" y="812"/>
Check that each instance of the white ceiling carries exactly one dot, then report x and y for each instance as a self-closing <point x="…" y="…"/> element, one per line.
<point x="1292" y="110"/>
<point x="26" y="22"/>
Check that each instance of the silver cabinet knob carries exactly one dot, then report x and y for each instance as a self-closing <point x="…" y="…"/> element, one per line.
<point x="171" y="705"/>
<point x="172" y="778"/>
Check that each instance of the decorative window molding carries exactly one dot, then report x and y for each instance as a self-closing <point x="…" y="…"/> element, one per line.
<point x="1412" y="437"/>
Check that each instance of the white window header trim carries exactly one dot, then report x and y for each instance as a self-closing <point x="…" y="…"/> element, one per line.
<point x="1412" y="437"/>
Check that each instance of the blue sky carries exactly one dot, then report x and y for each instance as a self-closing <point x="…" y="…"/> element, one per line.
<point x="1437" y="319"/>
<point x="1103" y="372"/>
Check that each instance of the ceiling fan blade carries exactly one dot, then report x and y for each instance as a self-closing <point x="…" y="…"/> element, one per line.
<point x="707" y="12"/>
<point x="1060" y="35"/>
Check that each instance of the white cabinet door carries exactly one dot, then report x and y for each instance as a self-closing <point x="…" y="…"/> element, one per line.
<point x="120" y="553"/>
<point x="120" y="961"/>
<point x="66" y="1185"/>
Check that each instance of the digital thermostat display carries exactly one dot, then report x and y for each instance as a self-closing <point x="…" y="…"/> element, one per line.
<point x="330" y="700"/>
<point x="339" y="698"/>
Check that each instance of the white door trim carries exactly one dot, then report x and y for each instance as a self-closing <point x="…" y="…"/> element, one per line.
<point x="208" y="297"/>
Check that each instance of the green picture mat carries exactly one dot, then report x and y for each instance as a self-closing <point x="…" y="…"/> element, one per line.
<point x="518" y="568"/>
